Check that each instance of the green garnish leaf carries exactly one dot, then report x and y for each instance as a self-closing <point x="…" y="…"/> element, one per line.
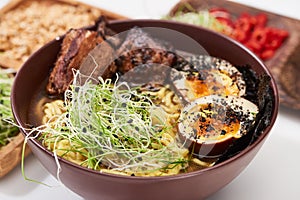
<point x="7" y="130"/>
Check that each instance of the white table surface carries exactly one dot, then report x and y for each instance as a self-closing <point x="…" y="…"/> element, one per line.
<point x="273" y="174"/>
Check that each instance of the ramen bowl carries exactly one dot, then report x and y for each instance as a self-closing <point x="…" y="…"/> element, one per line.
<point x="92" y="184"/>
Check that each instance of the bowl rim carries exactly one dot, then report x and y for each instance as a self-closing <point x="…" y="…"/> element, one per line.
<point x="245" y="151"/>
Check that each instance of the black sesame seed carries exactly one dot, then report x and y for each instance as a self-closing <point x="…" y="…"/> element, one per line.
<point x="203" y="119"/>
<point x="123" y="105"/>
<point x="223" y="132"/>
<point x="76" y="89"/>
<point x="215" y="88"/>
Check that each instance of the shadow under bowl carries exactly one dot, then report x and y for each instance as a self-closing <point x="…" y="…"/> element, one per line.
<point x="92" y="184"/>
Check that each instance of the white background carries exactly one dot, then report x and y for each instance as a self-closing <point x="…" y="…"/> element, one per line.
<point x="273" y="174"/>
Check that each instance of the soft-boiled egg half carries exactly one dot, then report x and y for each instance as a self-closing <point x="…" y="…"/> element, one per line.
<point x="209" y="124"/>
<point x="209" y="76"/>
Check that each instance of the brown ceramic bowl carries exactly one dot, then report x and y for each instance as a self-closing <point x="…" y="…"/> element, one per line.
<point x="94" y="185"/>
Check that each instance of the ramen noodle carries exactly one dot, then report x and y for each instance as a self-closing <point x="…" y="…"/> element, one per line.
<point x="72" y="151"/>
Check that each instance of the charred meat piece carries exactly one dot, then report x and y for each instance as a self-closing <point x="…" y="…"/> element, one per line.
<point x="99" y="62"/>
<point x="139" y="48"/>
<point x="75" y="47"/>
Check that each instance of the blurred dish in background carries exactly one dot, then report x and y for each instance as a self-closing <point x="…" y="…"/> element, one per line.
<point x="26" y="25"/>
<point x="283" y="63"/>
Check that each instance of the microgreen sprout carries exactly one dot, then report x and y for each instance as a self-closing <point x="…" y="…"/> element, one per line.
<point x="113" y="126"/>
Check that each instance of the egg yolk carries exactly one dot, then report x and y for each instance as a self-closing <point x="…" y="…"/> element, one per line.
<point x="212" y="82"/>
<point x="209" y="128"/>
<point x="212" y="122"/>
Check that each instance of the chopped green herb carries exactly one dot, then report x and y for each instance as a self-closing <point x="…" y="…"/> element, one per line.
<point x="7" y="130"/>
<point x="201" y="18"/>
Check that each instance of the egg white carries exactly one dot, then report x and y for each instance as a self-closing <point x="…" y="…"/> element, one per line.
<point x="222" y="79"/>
<point x="240" y="105"/>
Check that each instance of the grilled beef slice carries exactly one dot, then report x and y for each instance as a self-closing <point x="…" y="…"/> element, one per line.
<point x="75" y="47"/>
<point x="139" y="48"/>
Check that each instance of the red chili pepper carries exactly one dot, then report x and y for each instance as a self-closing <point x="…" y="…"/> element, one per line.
<point x="273" y="44"/>
<point x="275" y="37"/>
<point x="267" y="54"/>
<point x="259" y="35"/>
<point x="222" y="15"/>
<point x="245" y="15"/>
<point x="252" y="31"/>
<point x="240" y="35"/>
<point x="243" y="24"/>
<point x="278" y="32"/>
<point x="282" y="33"/>
<point x="261" y="20"/>
<point x="254" y="46"/>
